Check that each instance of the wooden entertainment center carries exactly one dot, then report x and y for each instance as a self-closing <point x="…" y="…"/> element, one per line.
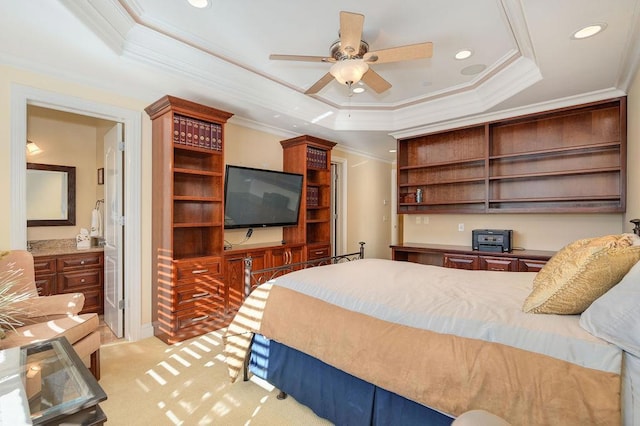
<point x="199" y="285"/>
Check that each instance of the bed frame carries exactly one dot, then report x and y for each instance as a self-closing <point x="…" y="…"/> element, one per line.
<point x="252" y="278"/>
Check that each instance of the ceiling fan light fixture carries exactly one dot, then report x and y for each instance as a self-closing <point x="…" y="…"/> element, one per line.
<point x="349" y="71"/>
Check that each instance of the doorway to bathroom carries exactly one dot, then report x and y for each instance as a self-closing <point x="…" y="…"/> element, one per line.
<point x="26" y="97"/>
<point x="92" y="147"/>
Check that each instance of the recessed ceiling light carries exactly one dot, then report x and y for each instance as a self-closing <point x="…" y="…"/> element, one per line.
<point x="392" y="150"/>
<point x="358" y="89"/>
<point x="200" y="4"/>
<point x="463" y="54"/>
<point x="588" y="31"/>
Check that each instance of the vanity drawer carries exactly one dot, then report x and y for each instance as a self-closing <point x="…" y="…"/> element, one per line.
<point x="71" y="282"/>
<point x="44" y="265"/>
<point x="80" y="261"/>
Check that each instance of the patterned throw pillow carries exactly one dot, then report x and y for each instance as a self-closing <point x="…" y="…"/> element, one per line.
<point x="580" y="273"/>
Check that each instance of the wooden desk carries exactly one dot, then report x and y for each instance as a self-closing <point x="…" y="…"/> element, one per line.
<point x="464" y="257"/>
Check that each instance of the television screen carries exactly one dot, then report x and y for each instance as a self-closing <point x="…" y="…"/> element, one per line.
<point x="259" y="198"/>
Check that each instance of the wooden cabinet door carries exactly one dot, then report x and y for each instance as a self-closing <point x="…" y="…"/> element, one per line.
<point x="234" y="277"/>
<point x="460" y="261"/>
<point x="286" y="255"/>
<point x="498" y="264"/>
<point x="530" y="265"/>
<point x="45" y="275"/>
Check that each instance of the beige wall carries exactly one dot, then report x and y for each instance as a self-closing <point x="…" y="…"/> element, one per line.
<point x="633" y="151"/>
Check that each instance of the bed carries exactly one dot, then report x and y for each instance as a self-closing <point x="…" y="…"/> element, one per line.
<point x="384" y="342"/>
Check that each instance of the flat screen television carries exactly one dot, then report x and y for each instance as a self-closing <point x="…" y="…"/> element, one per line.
<point x="255" y="198"/>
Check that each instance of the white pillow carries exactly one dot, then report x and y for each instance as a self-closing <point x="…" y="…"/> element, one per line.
<point x="615" y="316"/>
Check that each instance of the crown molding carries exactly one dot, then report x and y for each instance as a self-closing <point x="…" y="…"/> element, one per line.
<point x="132" y="34"/>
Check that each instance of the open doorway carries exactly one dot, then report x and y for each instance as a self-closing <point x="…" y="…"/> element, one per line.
<point x="91" y="147"/>
<point x="22" y="97"/>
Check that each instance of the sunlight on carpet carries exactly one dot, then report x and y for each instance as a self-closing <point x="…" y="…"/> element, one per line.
<point x="151" y="383"/>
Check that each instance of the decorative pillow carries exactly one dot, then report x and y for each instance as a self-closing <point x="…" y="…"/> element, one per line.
<point x="580" y="273"/>
<point x="615" y="316"/>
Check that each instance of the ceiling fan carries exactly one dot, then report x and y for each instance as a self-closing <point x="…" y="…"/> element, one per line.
<point x="351" y="57"/>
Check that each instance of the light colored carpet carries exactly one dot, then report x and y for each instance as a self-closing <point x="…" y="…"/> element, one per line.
<point x="151" y="383"/>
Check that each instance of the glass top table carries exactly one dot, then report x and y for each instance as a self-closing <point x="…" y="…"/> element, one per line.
<point x="52" y="383"/>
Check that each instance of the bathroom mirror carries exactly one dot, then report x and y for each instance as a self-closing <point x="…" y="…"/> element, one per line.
<point x="51" y="195"/>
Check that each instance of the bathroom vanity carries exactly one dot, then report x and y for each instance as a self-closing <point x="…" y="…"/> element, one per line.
<point x="64" y="269"/>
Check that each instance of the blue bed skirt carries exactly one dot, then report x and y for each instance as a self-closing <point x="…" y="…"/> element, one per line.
<point x="333" y="394"/>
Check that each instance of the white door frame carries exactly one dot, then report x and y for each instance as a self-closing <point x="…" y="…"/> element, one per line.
<point x="341" y="164"/>
<point x="21" y="96"/>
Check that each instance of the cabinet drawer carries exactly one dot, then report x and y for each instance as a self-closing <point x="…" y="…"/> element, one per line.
<point x="498" y="264"/>
<point x="530" y="265"/>
<point x="318" y="252"/>
<point x="44" y="265"/>
<point x="202" y="315"/>
<point x="190" y="295"/>
<point x="460" y="261"/>
<point x="70" y="282"/>
<point x="81" y="261"/>
<point x="190" y="269"/>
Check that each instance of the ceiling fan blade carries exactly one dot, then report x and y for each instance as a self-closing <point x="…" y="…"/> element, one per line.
<point x="301" y="58"/>
<point x="375" y="81"/>
<point x="350" y="32"/>
<point x="402" y="53"/>
<point x="319" y="85"/>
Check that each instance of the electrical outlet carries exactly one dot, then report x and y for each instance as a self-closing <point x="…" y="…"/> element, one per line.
<point x="461" y="227"/>
<point x="425" y="220"/>
<point x="418" y="220"/>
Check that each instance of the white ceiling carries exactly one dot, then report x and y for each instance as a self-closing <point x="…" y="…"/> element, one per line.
<point x="220" y="56"/>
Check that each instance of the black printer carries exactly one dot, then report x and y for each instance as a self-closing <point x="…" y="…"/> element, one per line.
<point x="496" y="240"/>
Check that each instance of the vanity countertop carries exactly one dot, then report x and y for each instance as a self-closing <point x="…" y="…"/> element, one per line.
<point x="57" y="251"/>
<point x="40" y="248"/>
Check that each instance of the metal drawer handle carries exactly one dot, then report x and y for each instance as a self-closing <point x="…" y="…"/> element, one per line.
<point x="202" y="318"/>
<point x="82" y="262"/>
<point x="200" y="271"/>
<point x="82" y="280"/>
<point x="198" y="295"/>
<point x="319" y="252"/>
